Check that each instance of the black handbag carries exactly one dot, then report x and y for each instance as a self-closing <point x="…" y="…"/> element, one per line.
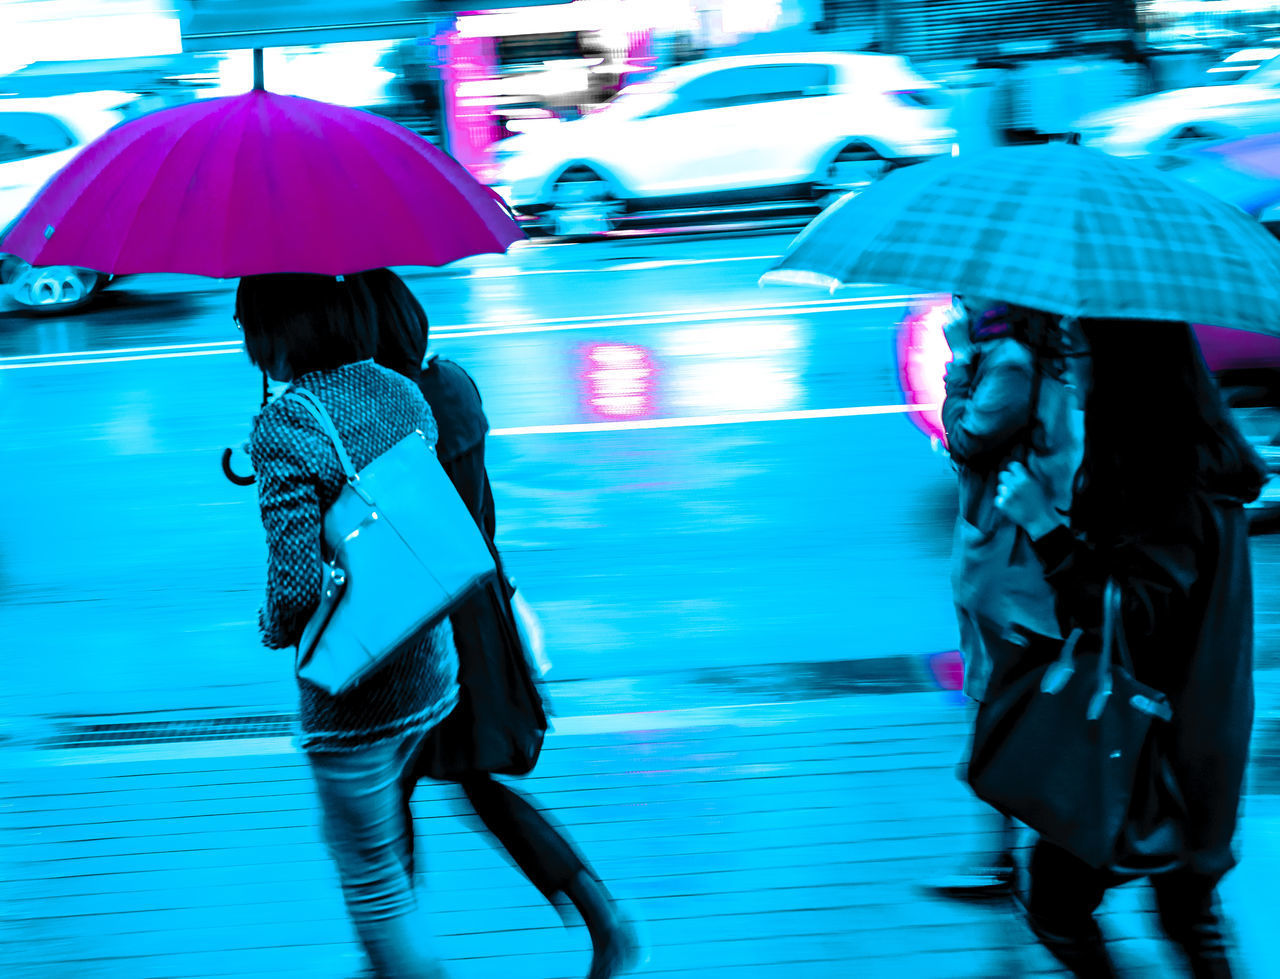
<point x="1072" y="749"/>
<point x="500" y="722"/>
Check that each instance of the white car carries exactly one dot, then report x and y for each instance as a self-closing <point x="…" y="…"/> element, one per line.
<point x="1169" y="122"/>
<point x="793" y="126"/>
<point x="38" y="137"/>
<point x="1237" y="64"/>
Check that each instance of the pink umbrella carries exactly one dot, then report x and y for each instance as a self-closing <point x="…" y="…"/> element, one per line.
<point x="260" y="183"/>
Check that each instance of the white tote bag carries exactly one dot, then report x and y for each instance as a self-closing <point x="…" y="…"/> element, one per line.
<point x="400" y="551"/>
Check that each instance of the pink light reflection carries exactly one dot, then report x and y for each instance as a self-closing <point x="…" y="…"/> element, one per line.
<point x="923" y="356"/>
<point x="619" y="380"/>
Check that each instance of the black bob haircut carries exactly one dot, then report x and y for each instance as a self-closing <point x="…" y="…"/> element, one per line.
<point x="304" y="322"/>
<point x="401" y="322"/>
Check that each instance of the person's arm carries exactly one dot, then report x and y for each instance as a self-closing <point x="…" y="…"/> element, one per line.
<point x="1155" y="579"/>
<point x="1155" y="573"/>
<point x="289" y="501"/>
<point x="467" y="474"/>
<point x="988" y="402"/>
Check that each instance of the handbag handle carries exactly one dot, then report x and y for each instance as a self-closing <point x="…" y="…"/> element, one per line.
<point x="316" y="409"/>
<point x="1061" y="670"/>
<point x="1112" y="639"/>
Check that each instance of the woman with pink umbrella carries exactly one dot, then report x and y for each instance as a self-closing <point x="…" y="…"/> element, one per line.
<point x="295" y="197"/>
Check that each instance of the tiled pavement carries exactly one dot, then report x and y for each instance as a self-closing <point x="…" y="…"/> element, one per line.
<point x="780" y="840"/>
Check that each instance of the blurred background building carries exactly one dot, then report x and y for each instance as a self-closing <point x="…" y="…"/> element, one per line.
<point x="1019" y="69"/>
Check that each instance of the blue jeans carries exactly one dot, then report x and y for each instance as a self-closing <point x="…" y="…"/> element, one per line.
<point x="365" y="819"/>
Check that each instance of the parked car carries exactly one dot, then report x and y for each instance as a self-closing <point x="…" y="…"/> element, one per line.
<point x="725" y="130"/>
<point x="1170" y="122"/>
<point x="1247" y="366"/>
<point x="38" y="137"/>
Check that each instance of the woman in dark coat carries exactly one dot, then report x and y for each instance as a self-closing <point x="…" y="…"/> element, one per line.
<point x="1158" y="509"/>
<point x="537" y="847"/>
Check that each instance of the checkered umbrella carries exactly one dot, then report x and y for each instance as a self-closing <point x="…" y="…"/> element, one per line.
<point x="1061" y="228"/>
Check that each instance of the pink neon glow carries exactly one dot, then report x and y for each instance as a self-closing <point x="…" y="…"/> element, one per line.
<point x="472" y="126"/>
<point x="620" y="380"/>
<point x="1231" y="350"/>
<point x="948" y="670"/>
<point x="923" y="355"/>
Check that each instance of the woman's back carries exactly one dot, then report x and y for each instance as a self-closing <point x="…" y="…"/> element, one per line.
<point x="299" y="476"/>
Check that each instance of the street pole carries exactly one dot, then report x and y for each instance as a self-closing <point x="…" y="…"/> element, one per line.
<point x="258" y="84"/>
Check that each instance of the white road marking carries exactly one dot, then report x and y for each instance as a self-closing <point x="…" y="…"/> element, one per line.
<point x="700" y="421"/>
<point x="119" y="355"/>
<point x="117" y="360"/>
<point x="639" y="266"/>
<point x="683" y="315"/>
<point x="124" y="350"/>
<point x="759" y="714"/>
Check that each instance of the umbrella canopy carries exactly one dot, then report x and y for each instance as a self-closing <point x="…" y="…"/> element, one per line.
<point x="1061" y="228"/>
<point x="260" y="183"/>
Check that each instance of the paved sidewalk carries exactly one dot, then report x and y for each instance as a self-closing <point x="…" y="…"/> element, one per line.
<point x="765" y="841"/>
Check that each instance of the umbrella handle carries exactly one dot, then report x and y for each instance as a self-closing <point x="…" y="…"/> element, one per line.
<point x="227" y="471"/>
<point x="234" y="476"/>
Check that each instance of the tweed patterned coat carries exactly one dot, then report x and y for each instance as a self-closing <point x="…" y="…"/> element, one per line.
<point x="299" y="476"/>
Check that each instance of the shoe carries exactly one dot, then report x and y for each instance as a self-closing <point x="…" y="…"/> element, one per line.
<point x="979" y="882"/>
<point x="1085" y="954"/>
<point x="615" y="946"/>
<point x="1204" y="945"/>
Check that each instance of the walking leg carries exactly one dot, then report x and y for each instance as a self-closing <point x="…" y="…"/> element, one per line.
<point x="1065" y="892"/>
<point x="549" y="860"/>
<point x="1191" y="918"/>
<point x="370" y="840"/>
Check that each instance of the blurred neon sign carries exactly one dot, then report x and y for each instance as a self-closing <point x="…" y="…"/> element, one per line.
<point x="620" y="380"/>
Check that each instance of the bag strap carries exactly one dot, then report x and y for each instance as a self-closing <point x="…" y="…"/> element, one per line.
<point x="1113" y="641"/>
<point x="1060" y="671"/>
<point x="316" y="409"/>
<point x="1114" y="598"/>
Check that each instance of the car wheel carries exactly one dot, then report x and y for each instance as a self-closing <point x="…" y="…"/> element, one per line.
<point x="855" y="167"/>
<point x="49" y="289"/>
<point x="582" y="205"/>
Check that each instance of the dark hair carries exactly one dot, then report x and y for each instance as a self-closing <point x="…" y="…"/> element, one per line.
<point x="305" y="322"/>
<point x="400" y="320"/>
<point x="1042" y="333"/>
<point x="1156" y="433"/>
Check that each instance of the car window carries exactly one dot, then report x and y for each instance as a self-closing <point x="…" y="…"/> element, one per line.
<point x="745" y="86"/>
<point x="28" y="134"/>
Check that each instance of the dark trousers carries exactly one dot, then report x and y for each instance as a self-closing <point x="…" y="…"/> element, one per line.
<point x="1065" y="892"/>
<point x="532" y="841"/>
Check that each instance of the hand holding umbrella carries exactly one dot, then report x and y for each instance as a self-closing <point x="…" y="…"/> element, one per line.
<point x="959" y="333"/>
